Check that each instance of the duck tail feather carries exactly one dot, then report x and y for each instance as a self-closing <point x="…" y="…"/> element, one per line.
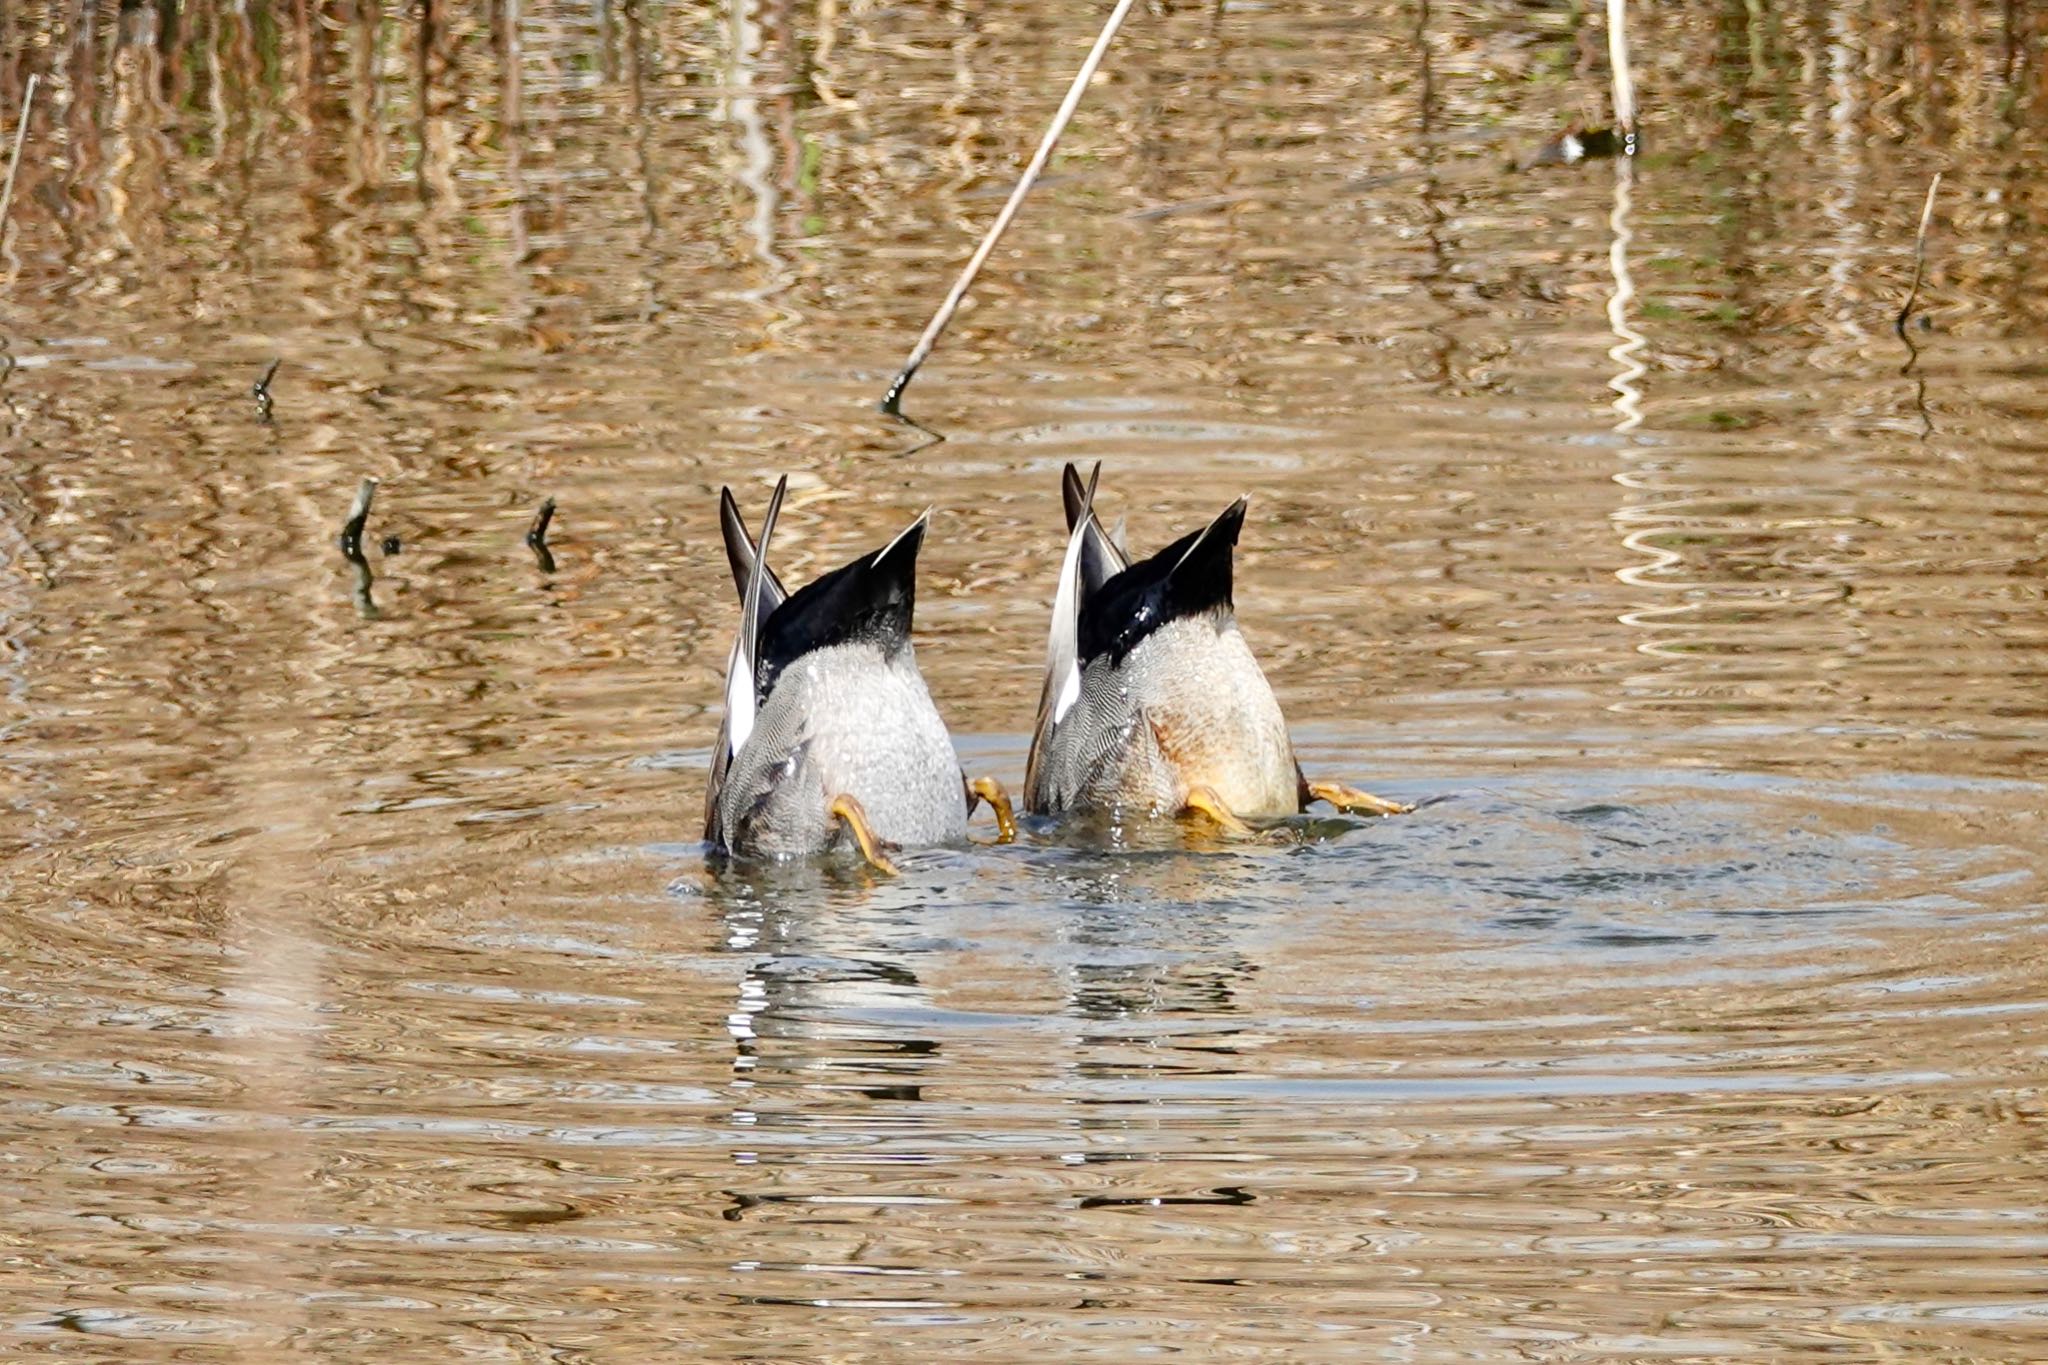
<point x="742" y="674"/>
<point x="739" y="555"/>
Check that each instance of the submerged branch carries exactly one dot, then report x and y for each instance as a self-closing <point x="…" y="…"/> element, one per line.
<point x="260" y="391"/>
<point x="358" y="514"/>
<point x="1906" y="312"/>
<point x="1627" y="351"/>
<point x="352" y="547"/>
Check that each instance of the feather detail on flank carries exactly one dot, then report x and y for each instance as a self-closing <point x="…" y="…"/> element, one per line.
<point x="1062" y="688"/>
<point x="1069" y="694"/>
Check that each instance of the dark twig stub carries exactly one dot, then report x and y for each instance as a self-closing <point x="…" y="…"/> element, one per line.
<point x="358" y="515"/>
<point x="537" y="537"/>
<point x="260" y="391"/>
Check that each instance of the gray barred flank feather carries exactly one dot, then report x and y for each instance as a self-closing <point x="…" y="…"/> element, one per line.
<point x="846" y="719"/>
<point x="1188" y="707"/>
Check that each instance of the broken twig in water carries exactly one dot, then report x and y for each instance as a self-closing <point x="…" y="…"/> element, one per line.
<point x="352" y="547"/>
<point x="892" y="401"/>
<point x="358" y="514"/>
<point x="1906" y="312"/>
<point x="1624" y="82"/>
<point x="537" y="537"/>
<point x="260" y="391"/>
<point x="1579" y="143"/>
<point x="28" y="103"/>
<point x="1919" y="259"/>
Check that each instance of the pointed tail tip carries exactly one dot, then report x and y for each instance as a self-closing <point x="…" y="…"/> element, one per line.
<point x="1231" y="518"/>
<point x="910" y="538"/>
<point x="1076" y="497"/>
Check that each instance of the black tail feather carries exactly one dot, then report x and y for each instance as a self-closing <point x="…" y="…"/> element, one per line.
<point x="739" y="556"/>
<point x="1187" y="578"/>
<point x="870" y="599"/>
<point x="1100" y="559"/>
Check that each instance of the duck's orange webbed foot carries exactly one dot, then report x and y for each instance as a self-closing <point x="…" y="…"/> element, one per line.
<point x="989" y="790"/>
<point x="854" y="816"/>
<point x="1204" y="801"/>
<point x="1352" y="799"/>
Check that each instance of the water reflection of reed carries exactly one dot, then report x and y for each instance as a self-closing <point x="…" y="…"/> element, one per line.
<point x="529" y="220"/>
<point x="285" y="1069"/>
<point x="429" y="92"/>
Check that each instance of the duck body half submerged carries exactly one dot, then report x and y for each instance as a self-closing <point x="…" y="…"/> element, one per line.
<point x="845" y="720"/>
<point x="1153" y="703"/>
<point x="1161" y="694"/>
<point x="830" y="732"/>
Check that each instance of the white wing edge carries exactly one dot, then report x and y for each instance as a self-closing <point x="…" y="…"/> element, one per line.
<point x="742" y="668"/>
<point x="1063" y="648"/>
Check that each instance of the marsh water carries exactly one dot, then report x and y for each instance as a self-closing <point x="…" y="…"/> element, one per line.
<point x="367" y="996"/>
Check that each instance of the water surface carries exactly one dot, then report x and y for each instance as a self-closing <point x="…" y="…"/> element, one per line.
<point x="367" y="997"/>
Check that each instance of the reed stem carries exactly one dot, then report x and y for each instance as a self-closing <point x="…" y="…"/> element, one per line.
<point x="892" y="401"/>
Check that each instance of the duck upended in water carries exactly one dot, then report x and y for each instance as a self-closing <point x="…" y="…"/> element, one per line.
<point x="1152" y="700"/>
<point x="829" y="730"/>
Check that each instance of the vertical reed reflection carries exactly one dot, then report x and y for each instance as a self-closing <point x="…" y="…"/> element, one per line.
<point x="508" y="42"/>
<point x="1437" y="278"/>
<point x="759" y="33"/>
<point x="1629" y="343"/>
<point x="434" y="131"/>
<point x="652" y="254"/>
<point x="1841" y="197"/>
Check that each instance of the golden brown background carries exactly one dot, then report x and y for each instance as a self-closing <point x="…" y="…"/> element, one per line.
<point x="362" y="994"/>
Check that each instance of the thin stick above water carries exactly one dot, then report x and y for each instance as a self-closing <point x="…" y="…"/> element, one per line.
<point x="1624" y="82"/>
<point x="537" y="537"/>
<point x="358" y="515"/>
<point x="28" y="103"/>
<point x="892" y="401"/>
<point x="1919" y="257"/>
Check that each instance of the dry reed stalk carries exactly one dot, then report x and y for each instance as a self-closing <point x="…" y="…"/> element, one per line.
<point x="28" y="104"/>
<point x="1919" y="257"/>
<point x="892" y="401"/>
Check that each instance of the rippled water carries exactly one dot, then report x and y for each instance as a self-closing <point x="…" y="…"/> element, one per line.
<point x="366" y="997"/>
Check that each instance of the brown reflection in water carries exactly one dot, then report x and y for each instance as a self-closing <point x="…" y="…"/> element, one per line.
<point x="365" y="996"/>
